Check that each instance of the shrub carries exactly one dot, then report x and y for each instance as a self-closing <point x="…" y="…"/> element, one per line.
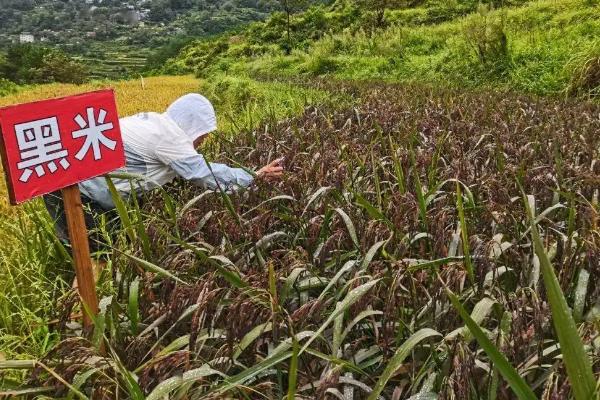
<point x="57" y="67"/>
<point x="201" y="56"/>
<point x="7" y="87"/>
<point x="31" y="63"/>
<point x="585" y="77"/>
<point x="487" y="36"/>
<point x="231" y="90"/>
<point x="319" y="64"/>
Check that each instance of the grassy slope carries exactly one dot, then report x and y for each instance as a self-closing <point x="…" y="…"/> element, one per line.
<point x="547" y="41"/>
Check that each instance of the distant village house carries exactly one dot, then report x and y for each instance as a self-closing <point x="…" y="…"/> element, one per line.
<point x="26" y="37"/>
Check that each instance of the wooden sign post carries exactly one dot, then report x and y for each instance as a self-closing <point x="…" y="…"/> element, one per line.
<point x="53" y="145"/>
<point x="78" y="236"/>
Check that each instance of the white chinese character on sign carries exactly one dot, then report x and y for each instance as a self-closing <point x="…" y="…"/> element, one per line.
<point x="93" y="130"/>
<point x="39" y="144"/>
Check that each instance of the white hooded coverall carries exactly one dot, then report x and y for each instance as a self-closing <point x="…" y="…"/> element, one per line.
<point x="159" y="147"/>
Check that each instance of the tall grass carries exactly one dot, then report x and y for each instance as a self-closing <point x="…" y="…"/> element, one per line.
<point x="394" y="259"/>
<point x="35" y="271"/>
<point x="542" y="47"/>
<point x="34" y="266"/>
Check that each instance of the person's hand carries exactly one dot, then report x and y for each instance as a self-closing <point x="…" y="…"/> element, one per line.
<point x="271" y="171"/>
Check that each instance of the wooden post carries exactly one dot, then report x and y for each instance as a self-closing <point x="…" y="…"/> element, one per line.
<point x="81" y="252"/>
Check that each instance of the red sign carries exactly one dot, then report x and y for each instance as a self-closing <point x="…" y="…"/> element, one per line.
<point x="52" y="144"/>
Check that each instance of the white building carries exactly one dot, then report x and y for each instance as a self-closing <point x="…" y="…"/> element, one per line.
<point x="26" y="37"/>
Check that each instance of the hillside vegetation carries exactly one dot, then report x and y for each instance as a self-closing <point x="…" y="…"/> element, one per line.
<point x="547" y="47"/>
<point x="435" y="235"/>
<point x="119" y="39"/>
<point x="148" y="22"/>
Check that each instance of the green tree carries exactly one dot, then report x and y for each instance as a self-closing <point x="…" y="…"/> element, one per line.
<point x="291" y="7"/>
<point x="378" y="7"/>
<point x="30" y="63"/>
<point x="58" y="67"/>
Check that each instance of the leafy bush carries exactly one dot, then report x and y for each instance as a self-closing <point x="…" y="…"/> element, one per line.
<point x="585" y="75"/>
<point x="202" y="57"/>
<point x="7" y="87"/>
<point x="160" y="56"/>
<point x="318" y="63"/>
<point x="486" y="34"/>
<point x="233" y="91"/>
<point x="30" y="63"/>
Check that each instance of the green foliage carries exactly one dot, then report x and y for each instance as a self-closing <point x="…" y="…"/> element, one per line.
<point x="31" y="63"/>
<point x="545" y="47"/>
<point x="584" y="70"/>
<point x="334" y="279"/>
<point x="243" y="102"/>
<point x="319" y="63"/>
<point x="330" y="281"/>
<point x="576" y="359"/>
<point x="487" y="36"/>
<point x="7" y="87"/>
<point x="378" y="9"/>
<point x="159" y="57"/>
<point x="65" y="22"/>
<point x="518" y="385"/>
<point x="200" y="57"/>
<point x="33" y="275"/>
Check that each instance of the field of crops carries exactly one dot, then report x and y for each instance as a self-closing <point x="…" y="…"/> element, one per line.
<point x="28" y="261"/>
<point x="397" y="259"/>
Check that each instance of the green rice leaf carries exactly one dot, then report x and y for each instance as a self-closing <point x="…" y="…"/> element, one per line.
<point x="349" y="226"/>
<point x="80" y="379"/>
<point x="581" y="290"/>
<point x="371" y="253"/>
<point x="481" y="310"/>
<point x="417" y="265"/>
<point x="345" y="268"/>
<point x="373" y="211"/>
<point x="575" y="357"/>
<point x="153" y="268"/>
<point x="249" y="373"/>
<point x="133" y="305"/>
<point x="27" y="392"/>
<point x="224" y="266"/>
<point x="251" y="336"/>
<point x="293" y="370"/>
<point x="357" y="319"/>
<point x="17" y="364"/>
<point x="352" y="297"/>
<point x="166" y="387"/>
<point x="121" y="208"/>
<point x="464" y="233"/>
<point x="315" y="196"/>
<point x="396" y="361"/>
<point x="510" y="374"/>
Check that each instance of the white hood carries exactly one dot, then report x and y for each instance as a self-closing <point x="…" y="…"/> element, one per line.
<point x="194" y="114"/>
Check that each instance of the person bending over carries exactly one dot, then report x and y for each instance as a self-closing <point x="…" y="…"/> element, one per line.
<point x="159" y="148"/>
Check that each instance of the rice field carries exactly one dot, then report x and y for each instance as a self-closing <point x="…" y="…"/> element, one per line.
<point x="133" y="96"/>
<point x="30" y="265"/>
<point x="424" y="244"/>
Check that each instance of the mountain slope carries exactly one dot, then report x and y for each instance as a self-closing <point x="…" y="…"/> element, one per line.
<point x="543" y="47"/>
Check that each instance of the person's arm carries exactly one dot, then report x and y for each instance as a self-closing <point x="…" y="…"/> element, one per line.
<point x="211" y="175"/>
<point x="178" y="152"/>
